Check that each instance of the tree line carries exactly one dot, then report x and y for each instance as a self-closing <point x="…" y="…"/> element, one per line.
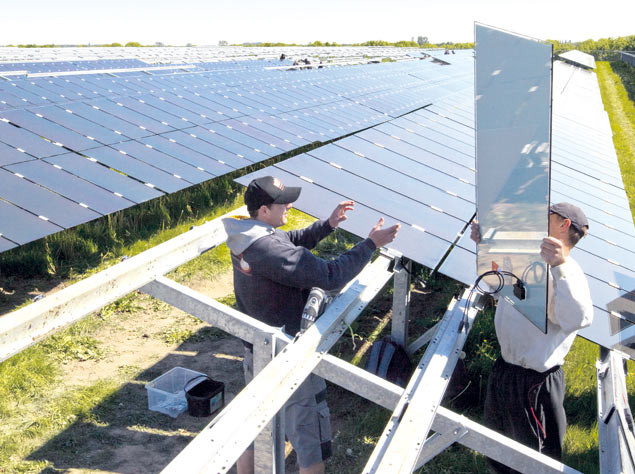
<point x="621" y="43"/>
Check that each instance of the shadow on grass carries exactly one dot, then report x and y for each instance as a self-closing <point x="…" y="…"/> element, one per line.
<point x="627" y="75"/>
<point x="122" y="435"/>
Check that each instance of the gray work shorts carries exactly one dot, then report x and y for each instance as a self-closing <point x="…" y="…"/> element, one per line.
<point x="307" y="417"/>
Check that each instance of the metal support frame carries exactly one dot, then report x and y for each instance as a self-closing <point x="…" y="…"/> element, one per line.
<point x="401" y="302"/>
<point x="399" y="446"/>
<point x="403" y="446"/>
<point x="615" y="420"/>
<point x="477" y="437"/>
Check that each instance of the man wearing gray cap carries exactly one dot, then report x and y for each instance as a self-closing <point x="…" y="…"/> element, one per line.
<point x="525" y="391"/>
<point x="274" y="272"/>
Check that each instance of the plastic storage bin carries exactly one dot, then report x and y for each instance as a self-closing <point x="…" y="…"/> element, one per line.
<point x="166" y="393"/>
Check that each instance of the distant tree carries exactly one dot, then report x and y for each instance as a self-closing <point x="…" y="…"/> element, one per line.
<point x="133" y="44"/>
<point x="115" y="45"/>
<point x="189" y="45"/>
<point x="222" y="43"/>
<point x="422" y="40"/>
<point x="159" y="44"/>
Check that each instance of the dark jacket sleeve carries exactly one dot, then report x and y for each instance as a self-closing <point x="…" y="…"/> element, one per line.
<point x="289" y="265"/>
<point x="311" y="235"/>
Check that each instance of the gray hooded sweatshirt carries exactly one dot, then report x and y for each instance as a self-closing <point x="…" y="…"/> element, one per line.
<point x="275" y="270"/>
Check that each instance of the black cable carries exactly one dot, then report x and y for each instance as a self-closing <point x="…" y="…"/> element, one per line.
<point x="413" y="275"/>
<point x="501" y="274"/>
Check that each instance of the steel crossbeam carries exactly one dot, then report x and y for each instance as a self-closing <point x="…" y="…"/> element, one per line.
<point x="402" y="440"/>
<point x="472" y="435"/>
<point x="220" y="444"/>
<point x="24" y="327"/>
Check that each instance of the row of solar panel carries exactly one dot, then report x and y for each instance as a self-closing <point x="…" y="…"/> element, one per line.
<point x="34" y="67"/>
<point x="59" y="66"/>
<point x="100" y="156"/>
<point x="40" y="91"/>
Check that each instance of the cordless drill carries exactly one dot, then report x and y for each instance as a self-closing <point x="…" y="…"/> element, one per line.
<point x="314" y="307"/>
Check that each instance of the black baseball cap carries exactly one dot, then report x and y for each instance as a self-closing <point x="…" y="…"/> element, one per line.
<point x="571" y="212"/>
<point x="269" y="190"/>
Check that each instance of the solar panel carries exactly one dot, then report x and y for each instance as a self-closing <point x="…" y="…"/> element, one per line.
<point x="49" y="130"/>
<point x="191" y="140"/>
<point x="119" y="110"/>
<point x="10" y="155"/>
<point x="6" y="244"/>
<point x="27" y="142"/>
<point x="149" y="175"/>
<point x="418" y="190"/>
<point x="70" y="186"/>
<point x="419" y="155"/>
<point x="47" y="205"/>
<point x="163" y="161"/>
<point x="513" y="112"/>
<point x="78" y="124"/>
<point x="187" y="155"/>
<point x="579" y="58"/>
<point x="108" y="121"/>
<point x="104" y="177"/>
<point x="21" y="226"/>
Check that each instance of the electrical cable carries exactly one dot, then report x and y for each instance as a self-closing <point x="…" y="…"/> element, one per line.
<point x="414" y="275"/>
<point x="501" y="274"/>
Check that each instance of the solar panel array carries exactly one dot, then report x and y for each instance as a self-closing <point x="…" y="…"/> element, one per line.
<point x="419" y="170"/>
<point x="74" y="148"/>
<point x="38" y="60"/>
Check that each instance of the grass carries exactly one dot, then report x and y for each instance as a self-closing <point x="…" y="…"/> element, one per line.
<point x="617" y="85"/>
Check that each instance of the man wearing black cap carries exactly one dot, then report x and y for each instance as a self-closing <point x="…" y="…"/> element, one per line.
<point x="273" y="274"/>
<point x="525" y="391"/>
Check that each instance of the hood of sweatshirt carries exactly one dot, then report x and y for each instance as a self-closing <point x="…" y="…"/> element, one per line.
<point x="242" y="232"/>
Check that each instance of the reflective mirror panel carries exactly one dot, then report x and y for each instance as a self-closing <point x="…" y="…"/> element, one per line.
<point x="513" y="131"/>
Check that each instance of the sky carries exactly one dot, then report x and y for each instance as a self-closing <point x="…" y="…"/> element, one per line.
<point x="205" y="22"/>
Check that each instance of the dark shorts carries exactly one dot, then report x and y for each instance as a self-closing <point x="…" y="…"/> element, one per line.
<point x="527" y="406"/>
<point x="307" y="417"/>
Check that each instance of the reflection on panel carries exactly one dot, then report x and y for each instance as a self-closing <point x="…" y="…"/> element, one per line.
<point x="513" y="116"/>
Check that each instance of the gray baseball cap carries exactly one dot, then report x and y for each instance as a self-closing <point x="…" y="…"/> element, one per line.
<point x="571" y="212"/>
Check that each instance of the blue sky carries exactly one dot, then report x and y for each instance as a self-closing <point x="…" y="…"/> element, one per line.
<point x="201" y="22"/>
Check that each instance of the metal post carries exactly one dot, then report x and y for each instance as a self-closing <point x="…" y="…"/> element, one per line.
<point x="269" y="444"/>
<point x="401" y="302"/>
<point x="616" y="440"/>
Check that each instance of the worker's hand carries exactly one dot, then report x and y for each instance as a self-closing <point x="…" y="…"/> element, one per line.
<point x="339" y="213"/>
<point x="381" y="237"/>
<point x="552" y="251"/>
<point x="475" y="235"/>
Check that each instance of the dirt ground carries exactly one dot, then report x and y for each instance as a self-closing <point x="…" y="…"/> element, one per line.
<point x="123" y="436"/>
